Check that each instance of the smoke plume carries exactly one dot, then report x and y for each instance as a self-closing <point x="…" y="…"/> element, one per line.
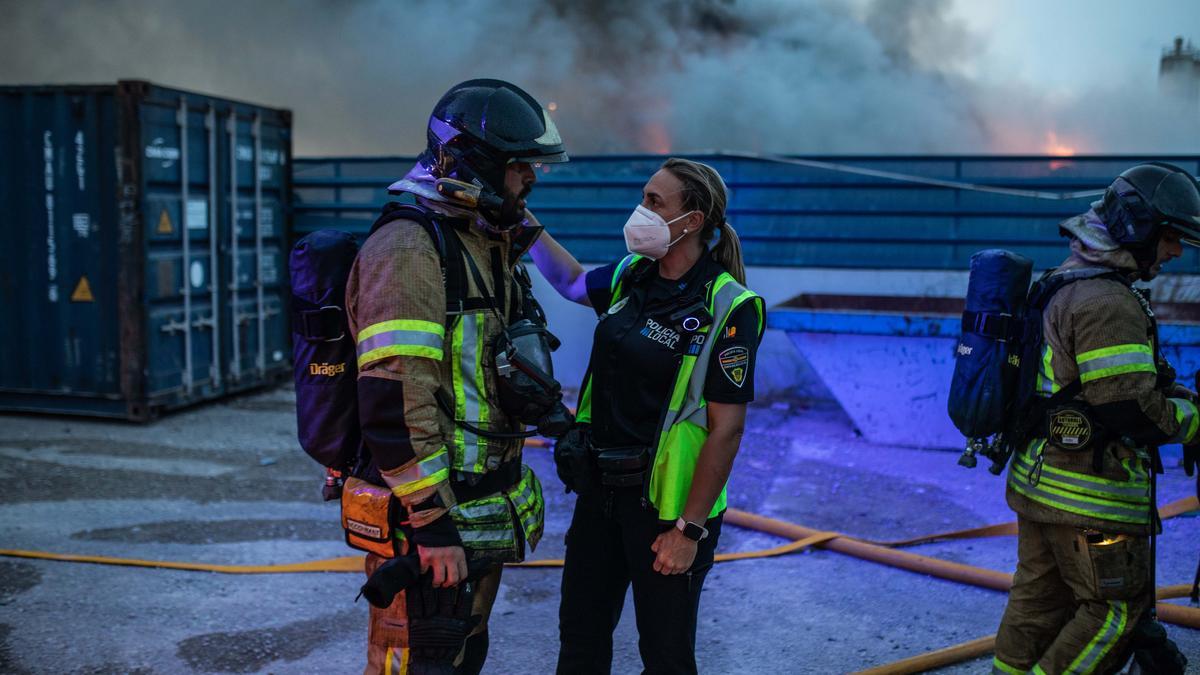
<point x="783" y="76"/>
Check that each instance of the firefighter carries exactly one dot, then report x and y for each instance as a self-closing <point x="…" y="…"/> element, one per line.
<point x="428" y="389"/>
<point x="1082" y="487"/>
<point x="661" y="419"/>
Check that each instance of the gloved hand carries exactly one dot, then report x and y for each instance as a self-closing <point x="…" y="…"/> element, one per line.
<point x="439" y="620"/>
<point x="1179" y="391"/>
<point x="573" y="458"/>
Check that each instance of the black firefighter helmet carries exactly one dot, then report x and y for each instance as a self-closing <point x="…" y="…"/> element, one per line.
<point x="1146" y="199"/>
<point x="481" y="126"/>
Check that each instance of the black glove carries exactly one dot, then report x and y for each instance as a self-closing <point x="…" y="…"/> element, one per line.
<point x="573" y="459"/>
<point x="439" y="620"/>
<point x="440" y="532"/>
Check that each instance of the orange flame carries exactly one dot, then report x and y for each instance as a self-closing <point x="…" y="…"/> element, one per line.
<point x="655" y="138"/>
<point x="1056" y="147"/>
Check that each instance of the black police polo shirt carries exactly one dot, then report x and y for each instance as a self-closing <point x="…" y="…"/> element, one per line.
<point x="635" y="351"/>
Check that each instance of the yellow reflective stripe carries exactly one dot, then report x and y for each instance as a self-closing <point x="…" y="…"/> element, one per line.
<point x="721" y="281"/>
<point x="484" y="413"/>
<point x="1037" y="670"/>
<point x="615" y="286"/>
<point x="1140" y="482"/>
<point x="402" y="324"/>
<point x="1103" y="641"/>
<point x="1115" y="360"/>
<point x="1188" y="418"/>
<point x="1128" y="495"/>
<point x="402" y="669"/>
<point x="1001" y="668"/>
<point x="1045" y="378"/>
<point x="400" y="350"/>
<point x="1072" y="491"/>
<point x="427" y="471"/>
<point x="1094" y="354"/>
<point x="1118" y="370"/>
<point x="584" y="411"/>
<point x="432" y="479"/>
<point x="1077" y="504"/>
<point x="460" y="398"/>
<point x="749" y="295"/>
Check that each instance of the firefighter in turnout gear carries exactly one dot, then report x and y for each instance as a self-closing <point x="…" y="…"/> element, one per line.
<point x="1081" y="480"/>
<point x="428" y="385"/>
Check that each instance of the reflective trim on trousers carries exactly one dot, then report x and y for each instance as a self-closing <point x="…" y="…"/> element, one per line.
<point x="1115" y="625"/>
<point x="397" y="662"/>
<point x="1001" y="668"/>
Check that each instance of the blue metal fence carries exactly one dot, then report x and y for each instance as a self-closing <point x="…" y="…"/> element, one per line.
<point x="786" y="215"/>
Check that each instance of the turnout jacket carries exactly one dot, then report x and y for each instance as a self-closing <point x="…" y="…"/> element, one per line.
<point x="1101" y="332"/>
<point x="413" y="350"/>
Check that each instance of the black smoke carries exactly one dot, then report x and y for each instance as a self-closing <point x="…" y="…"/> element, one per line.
<point x="785" y="76"/>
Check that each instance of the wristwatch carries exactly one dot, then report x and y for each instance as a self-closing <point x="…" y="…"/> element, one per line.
<point x="691" y="530"/>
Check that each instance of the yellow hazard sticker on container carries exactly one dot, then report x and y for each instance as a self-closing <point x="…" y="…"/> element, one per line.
<point x="164" y="223"/>
<point x="83" y="291"/>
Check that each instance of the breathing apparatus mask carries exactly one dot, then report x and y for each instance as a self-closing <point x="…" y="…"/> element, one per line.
<point x="525" y="380"/>
<point x="528" y="390"/>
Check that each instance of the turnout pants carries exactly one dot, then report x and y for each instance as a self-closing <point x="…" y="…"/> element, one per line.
<point x="387" y="637"/>
<point x="608" y="549"/>
<point x="1074" y="602"/>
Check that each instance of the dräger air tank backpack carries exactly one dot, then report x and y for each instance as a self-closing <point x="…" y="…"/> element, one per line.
<point x="325" y="357"/>
<point x="992" y="399"/>
<point x="324" y="352"/>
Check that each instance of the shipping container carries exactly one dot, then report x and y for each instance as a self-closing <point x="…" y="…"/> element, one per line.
<point x="143" y="264"/>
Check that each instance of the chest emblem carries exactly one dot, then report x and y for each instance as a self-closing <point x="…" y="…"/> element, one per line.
<point x="618" y="307"/>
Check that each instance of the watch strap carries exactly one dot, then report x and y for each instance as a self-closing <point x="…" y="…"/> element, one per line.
<point x="691" y="530"/>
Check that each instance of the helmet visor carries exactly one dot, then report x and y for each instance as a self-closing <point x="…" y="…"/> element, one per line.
<point x="546" y="149"/>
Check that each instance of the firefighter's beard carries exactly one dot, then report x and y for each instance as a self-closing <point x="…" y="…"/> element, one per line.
<point x="510" y="213"/>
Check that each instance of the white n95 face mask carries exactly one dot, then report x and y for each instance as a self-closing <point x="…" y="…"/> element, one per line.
<point x="646" y="233"/>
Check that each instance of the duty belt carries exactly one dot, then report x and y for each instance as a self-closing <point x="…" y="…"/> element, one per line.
<point x="624" y="466"/>
<point x="501" y="479"/>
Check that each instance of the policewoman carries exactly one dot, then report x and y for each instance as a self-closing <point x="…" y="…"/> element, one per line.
<point x="661" y="416"/>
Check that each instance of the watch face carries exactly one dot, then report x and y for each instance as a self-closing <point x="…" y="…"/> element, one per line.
<point x="694" y="532"/>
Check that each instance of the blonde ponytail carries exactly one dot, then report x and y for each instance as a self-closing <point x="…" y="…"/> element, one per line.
<point x="728" y="252"/>
<point x="704" y="191"/>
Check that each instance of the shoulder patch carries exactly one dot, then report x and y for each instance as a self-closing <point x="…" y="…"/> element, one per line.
<point x="734" y="362"/>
